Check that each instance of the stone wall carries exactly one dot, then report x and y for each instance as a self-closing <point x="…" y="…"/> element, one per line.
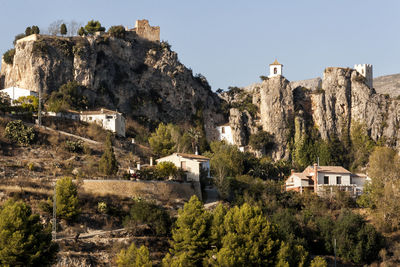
<point x="145" y="31"/>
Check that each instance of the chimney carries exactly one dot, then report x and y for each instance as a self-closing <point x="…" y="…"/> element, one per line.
<point x="138" y="166"/>
<point x="291" y="171"/>
<point x="315" y="177"/>
<point x="197" y="152"/>
<point x="151" y="161"/>
<point x="102" y="110"/>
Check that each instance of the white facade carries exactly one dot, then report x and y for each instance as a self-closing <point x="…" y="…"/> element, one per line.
<point x="328" y="178"/>
<point x="225" y="133"/>
<point x="366" y="71"/>
<point x="275" y="69"/>
<point x="190" y="163"/>
<point x="107" y="119"/>
<point x="16" y="92"/>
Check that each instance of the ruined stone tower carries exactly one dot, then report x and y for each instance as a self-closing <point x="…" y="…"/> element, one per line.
<point x="145" y="31"/>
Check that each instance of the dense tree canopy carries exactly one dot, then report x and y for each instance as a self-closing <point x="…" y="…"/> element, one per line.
<point x="68" y="96"/>
<point x="67" y="199"/>
<point x="24" y="241"/>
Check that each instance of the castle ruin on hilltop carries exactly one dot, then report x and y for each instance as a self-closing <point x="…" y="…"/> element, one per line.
<point x="145" y="31"/>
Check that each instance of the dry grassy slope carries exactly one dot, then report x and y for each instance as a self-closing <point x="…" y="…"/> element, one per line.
<point x="51" y="160"/>
<point x="388" y="84"/>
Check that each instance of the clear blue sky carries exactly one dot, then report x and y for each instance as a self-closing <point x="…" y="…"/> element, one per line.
<point x="233" y="42"/>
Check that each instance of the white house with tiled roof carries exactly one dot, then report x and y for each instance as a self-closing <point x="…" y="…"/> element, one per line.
<point x="190" y="163"/>
<point x="326" y="179"/>
<point x="275" y="69"/>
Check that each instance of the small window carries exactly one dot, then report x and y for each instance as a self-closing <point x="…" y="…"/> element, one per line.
<point x="90" y="118"/>
<point x="109" y="117"/>
<point x="183" y="165"/>
<point x="326" y="179"/>
<point x="275" y="70"/>
<point x="223" y="130"/>
<point x="338" y="179"/>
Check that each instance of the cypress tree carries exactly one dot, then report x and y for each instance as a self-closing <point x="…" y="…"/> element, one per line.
<point x="63" y="29"/>
<point x="108" y="164"/>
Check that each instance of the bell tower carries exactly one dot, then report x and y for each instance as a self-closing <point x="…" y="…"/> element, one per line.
<point x="275" y="69"/>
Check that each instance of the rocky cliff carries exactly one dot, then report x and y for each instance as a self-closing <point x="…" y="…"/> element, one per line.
<point x="388" y="84"/>
<point x="143" y="79"/>
<point x="288" y="110"/>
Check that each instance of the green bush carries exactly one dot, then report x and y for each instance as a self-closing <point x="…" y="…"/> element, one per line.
<point x="17" y="132"/>
<point x="262" y="141"/>
<point x="68" y="96"/>
<point x="143" y="212"/>
<point x="117" y="31"/>
<point x="74" y="146"/>
<point x="166" y="169"/>
<point x="8" y="56"/>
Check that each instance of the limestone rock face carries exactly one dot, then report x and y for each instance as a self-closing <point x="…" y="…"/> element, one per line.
<point x="242" y="125"/>
<point x="276" y="112"/>
<point x="143" y="79"/>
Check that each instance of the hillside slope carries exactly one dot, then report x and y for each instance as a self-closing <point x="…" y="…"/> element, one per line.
<point x="388" y="84"/>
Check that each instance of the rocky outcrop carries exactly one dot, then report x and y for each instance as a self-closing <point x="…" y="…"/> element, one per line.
<point x="341" y="100"/>
<point x="276" y="110"/>
<point x="143" y="79"/>
<point x="388" y="84"/>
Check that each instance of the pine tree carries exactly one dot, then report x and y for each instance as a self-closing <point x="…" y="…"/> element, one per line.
<point x="28" y="31"/>
<point x="23" y="239"/>
<point x="67" y="199"/>
<point x="134" y="257"/>
<point x="63" y="29"/>
<point x="190" y="236"/>
<point x="81" y="31"/>
<point x="108" y="164"/>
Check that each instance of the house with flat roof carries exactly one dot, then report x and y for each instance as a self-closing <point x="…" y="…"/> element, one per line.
<point x="107" y="119"/>
<point x="192" y="164"/>
<point x="325" y="180"/>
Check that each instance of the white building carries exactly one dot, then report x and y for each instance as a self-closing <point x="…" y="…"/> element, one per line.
<point x="16" y="92"/>
<point x="225" y="133"/>
<point x="190" y="163"/>
<point x="366" y="71"/>
<point x="108" y="119"/>
<point x="275" y="69"/>
<point x="326" y="179"/>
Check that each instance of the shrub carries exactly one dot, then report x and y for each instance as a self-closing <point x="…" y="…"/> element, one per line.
<point x="39" y="48"/>
<point x="318" y="262"/>
<point x="261" y="141"/>
<point x="31" y="166"/>
<point x="68" y="96"/>
<point x="143" y="212"/>
<point x="102" y="207"/>
<point x="81" y="31"/>
<point x="263" y="78"/>
<point x="17" y="132"/>
<point x="166" y="169"/>
<point x="8" y="56"/>
<point x="74" y="146"/>
<point x="117" y="31"/>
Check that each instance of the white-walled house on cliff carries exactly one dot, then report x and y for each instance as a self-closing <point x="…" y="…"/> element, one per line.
<point x="326" y="180"/>
<point x="107" y="119"/>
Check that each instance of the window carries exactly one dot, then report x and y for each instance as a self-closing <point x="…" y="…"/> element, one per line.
<point x="183" y="165"/>
<point x="90" y="118"/>
<point x="275" y="70"/>
<point x="326" y="179"/>
<point x="223" y="130"/>
<point x="109" y="117"/>
<point x="338" y="179"/>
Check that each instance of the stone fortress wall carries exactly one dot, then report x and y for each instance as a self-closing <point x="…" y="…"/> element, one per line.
<point x="145" y="31"/>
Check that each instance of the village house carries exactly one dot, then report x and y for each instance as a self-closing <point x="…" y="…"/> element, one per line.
<point x="108" y="119"/>
<point x="16" y="92"/>
<point x="225" y="134"/>
<point x="326" y="180"/>
<point x="192" y="164"/>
